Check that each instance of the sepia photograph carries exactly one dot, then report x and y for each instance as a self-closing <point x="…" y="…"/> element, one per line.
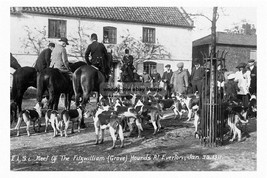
<point x="133" y="87"/>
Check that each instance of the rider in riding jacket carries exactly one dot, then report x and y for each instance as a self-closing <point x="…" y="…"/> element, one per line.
<point x="59" y="58"/>
<point x="128" y="67"/>
<point x="44" y="59"/>
<point x="98" y="53"/>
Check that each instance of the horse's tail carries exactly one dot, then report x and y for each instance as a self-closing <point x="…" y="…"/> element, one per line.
<point x="76" y="82"/>
<point x="14" y="94"/>
<point x="40" y="87"/>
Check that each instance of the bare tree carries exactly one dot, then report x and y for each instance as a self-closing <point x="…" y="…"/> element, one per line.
<point x="139" y="50"/>
<point x="35" y="41"/>
<point x="79" y="42"/>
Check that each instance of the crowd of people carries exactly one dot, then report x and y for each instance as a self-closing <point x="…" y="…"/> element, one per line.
<point x="238" y="85"/>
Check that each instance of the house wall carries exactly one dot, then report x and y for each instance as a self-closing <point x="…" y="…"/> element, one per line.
<point x="177" y="41"/>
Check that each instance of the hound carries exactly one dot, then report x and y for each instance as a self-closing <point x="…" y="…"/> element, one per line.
<point x="51" y="116"/>
<point x="29" y="115"/>
<point x="234" y="117"/>
<point x="67" y="116"/>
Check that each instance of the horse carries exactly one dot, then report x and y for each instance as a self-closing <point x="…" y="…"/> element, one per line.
<point x="56" y="82"/>
<point x="127" y="78"/>
<point x="25" y="77"/>
<point x="85" y="80"/>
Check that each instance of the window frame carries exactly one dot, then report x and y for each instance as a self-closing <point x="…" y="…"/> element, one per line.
<point x="53" y="34"/>
<point x="149" y="37"/>
<point x="149" y="66"/>
<point x="112" y="31"/>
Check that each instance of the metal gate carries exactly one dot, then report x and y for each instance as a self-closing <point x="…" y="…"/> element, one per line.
<point x="212" y="117"/>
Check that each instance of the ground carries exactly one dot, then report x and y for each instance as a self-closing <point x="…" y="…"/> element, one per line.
<point x="173" y="149"/>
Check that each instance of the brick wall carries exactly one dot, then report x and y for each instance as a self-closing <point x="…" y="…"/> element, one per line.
<point x="235" y="55"/>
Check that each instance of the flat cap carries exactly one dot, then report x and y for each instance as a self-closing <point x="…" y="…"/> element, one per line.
<point x="180" y="65"/>
<point x="168" y="65"/>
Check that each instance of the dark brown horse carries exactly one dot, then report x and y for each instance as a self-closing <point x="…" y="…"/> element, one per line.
<point x="26" y="77"/>
<point x="56" y="82"/>
<point x="85" y="80"/>
<point x="23" y="78"/>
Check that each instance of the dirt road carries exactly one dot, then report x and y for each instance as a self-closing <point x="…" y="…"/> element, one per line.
<point x="173" y="149"/>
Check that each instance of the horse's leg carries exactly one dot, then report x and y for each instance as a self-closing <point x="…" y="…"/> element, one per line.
<point x="56" y="101"/>
<point x="51" y="100"/>
<point x="66" y="100"/>
<point x="20" y="98"/>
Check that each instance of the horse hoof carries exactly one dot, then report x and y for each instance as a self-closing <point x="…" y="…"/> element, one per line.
<point x="101" y="142"/>
<point x="121" y="146"/>
<point x="96" y="143"/>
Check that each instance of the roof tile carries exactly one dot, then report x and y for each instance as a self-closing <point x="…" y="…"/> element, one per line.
<point x="152" y="15"/>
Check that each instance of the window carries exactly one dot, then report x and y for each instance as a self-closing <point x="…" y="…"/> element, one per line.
<point x="110" y="35"/>
<point x="149" y="35"/>
<point x="57" y="28"/>
<point x="253" y="54"/>
<point x="149" y="67"/>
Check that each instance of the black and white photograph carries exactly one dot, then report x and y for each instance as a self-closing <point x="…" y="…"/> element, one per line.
<point x="133" y="87"/>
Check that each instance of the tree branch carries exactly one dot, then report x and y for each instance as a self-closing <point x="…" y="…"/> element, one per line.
<point x="200" y="15"/>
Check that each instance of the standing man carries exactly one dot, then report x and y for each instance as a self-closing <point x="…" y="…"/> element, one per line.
<point x="179" y="80"/>
<point x="155" y="78"/>
<point x="242" y="77"/>
<point x="99" y="55"/>
<point x="253" y="76"/>
<point x="44" y="59"/>
<point x="197" y="76"/>
<point x="59" y="58"/>
<point x="146" y="79"/>
<point x="166" y="78"/>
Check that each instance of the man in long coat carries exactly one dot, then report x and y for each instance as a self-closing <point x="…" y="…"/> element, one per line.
<point x="166" y="78"/>
<point x="179" y="79"/>
<point x="197" y="76"/>
<point x="253" y="76"/>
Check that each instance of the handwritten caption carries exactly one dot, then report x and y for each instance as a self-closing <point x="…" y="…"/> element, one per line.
<point x="111" y="158"/>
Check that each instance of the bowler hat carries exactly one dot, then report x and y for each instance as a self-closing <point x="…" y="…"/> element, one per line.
<point x="251" y="61"/>
<point x="64" y="39"/>
<point x="180" y="65"/>
<point x="168" y="65"/>
<point x="241" y="65"/>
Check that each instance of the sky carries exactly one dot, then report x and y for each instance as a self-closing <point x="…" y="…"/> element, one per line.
<point x="228" y="16"/>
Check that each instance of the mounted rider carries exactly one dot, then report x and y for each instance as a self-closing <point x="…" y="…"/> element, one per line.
<point x="59" y="57"/>
<point x="99" y="55"/>
<point x="127" y="67"/>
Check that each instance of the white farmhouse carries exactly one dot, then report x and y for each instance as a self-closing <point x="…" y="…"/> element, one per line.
<point x="168" y="26"/>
